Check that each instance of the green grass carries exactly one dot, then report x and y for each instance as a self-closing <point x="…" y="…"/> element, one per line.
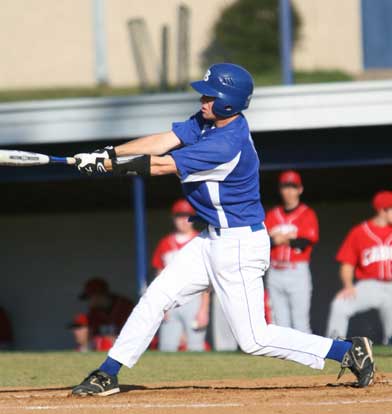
<point x="263" y="79"/>
<point x="60" y="93"/>
<point x="69" y="368"/>
<point x="301" y="77"/>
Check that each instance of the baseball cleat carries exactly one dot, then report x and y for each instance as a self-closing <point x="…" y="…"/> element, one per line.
<point x="359" y="360"/>
<point x="97" y="383"/>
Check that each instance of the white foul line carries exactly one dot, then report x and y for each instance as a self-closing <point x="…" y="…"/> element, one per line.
<point x="195" y="405"/>
<point x="336" y="402"/>
<point x="116" y="406"/>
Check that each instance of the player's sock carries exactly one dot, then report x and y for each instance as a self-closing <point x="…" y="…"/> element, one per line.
<point x="110" y="366"/>
<point x="338" y="350"/>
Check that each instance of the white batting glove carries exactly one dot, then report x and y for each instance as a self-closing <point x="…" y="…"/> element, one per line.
<point x="90" y="163"/>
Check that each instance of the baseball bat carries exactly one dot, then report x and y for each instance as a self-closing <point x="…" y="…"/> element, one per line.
<point x="13" y="158"/>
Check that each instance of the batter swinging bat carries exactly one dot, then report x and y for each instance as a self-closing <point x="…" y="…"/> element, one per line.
<point x="13" y="158"/>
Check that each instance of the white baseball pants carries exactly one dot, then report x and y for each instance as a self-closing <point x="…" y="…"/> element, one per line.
<point x="234" y="263"/>
<point x="370" y="294"/>
<point x="179" y="321"/>
<point x="291" y="294"/>
<point x="222" y="337"/>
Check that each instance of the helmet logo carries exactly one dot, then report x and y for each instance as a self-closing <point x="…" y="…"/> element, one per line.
<point x="207" y="76"/>
<point x="226" y="80"/>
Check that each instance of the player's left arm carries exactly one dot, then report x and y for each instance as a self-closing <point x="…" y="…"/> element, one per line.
<point x="145" y="165"/>
<point x="307" y="235"/>
<point x="149" y="146"/>
<point x="202" y="317"/>
<point x="163" y="165"/>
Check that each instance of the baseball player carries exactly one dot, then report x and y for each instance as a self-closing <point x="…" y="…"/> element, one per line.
<point x="366" y="255"/>
<point x="222" y="336"/>
<point x="191" y="318"/>
<point x="293" y="228"/>
<point x="213" y="155"/>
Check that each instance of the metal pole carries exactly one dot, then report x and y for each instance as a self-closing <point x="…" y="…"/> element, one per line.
<point x="140" y="234"/>
<point x="164" y="58"/>
<point x="286" y="42"/>
<point x="101" y="67"/>
<point x="136" y="41"/>
<point x="183" y="46"/>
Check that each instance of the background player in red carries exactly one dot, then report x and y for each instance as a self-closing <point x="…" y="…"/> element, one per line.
<point x="366" y="255"/>
<point x="192" y="318"/>
<point x="81" y="333"/>
<point x="293" y="228"/>
<point x="107" y="311"/>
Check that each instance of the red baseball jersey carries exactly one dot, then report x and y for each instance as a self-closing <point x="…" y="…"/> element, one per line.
<point x="168" y="247"/>
<point x="301" y="221"/>
<point x="368" y="247"/>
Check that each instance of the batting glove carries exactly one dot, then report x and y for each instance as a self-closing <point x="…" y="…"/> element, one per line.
<point x="89" y="163"/>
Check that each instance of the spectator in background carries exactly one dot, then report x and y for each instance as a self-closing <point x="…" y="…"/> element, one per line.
<point x="366" y="255"/>
<point x="81" y="333"/>
<point x="190" y="318"/>
<point x="107" y="311"/>
<point x="6" y="336"/>
<point x="83" y="338"/>
<point x="293" y="228"/>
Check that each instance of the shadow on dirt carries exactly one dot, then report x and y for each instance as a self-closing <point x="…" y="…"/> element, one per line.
<point x="128" y="388"/>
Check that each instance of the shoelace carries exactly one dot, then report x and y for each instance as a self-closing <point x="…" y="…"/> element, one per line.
<point x="103" y="380"/>
<point x="345" y="364"/>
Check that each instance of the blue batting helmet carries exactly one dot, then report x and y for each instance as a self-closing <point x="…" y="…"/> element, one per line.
<point x="231" y="86"/>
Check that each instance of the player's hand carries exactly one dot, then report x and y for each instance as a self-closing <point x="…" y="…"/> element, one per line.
<point x="90" y="163"/>
<point x="292" y="235"/>
<point x="202" y="320"/>
<point x="347" y="293"/>
<point x="280" y="238"/>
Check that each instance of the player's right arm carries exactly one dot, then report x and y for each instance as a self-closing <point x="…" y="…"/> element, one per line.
<point x="348" y="256"/>
<point x="157" y="144"/>
<point x="347" y="278"/>
<point x="182" y="134"/>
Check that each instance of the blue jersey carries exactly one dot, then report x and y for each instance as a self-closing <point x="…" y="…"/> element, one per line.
<point x="219" y="171"/>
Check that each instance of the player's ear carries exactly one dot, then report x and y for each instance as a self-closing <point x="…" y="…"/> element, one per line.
<point x="301" y="190"/>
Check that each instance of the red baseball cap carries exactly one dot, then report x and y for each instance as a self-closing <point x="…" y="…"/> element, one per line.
<point x="94" y="286"/>
<point x="78" y="321"/>
<point x="182" y="207"/>
<point x="382" y="200"/>
<point x="290" y="177"/>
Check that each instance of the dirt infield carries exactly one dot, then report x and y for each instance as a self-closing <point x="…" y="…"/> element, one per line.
<point x="300" y="395"/>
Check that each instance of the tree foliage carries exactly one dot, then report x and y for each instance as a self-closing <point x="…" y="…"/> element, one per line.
<point x="247" y="33"/>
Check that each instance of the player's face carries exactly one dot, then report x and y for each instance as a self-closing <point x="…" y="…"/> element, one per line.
<point x="81" y="335"/>
<point x="290" y="194"/>
<point x="98" y="301"/>
<point x="388" y="215"/>
<point x="182" y="224"/>
<point x="206" y="107"/>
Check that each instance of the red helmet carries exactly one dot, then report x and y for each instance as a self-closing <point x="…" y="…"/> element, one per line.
<point x="78" y="321"/>
<point x="182" y="207"/>
<point x="290" y="177"/>
<point x="382" y="200"/>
